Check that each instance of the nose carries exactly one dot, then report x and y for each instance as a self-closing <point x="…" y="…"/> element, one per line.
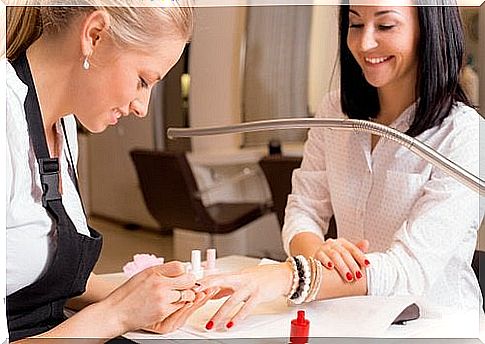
<point x="139" y="107"/>
<point x="368" y="40"/>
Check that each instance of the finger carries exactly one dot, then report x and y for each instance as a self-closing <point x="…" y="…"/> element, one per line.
<point x="363" y="245"/>
<point x="224" y="281"/>
<point x="166" y="325"/>
<point x="174" y="296"/>
<point x="187" y="295"/>
<point x="354" y="273"/>
<point x="185" y="281"/>
<point x="340" y="265"/>
<point x="172" y="269"/>
<point x="324" y="259"/>
<point x="357" y="253"/>
<point x="222" y="293"/>
<point x="245" y="310"/>
<point x="170" y="309"/>
<point x="179" y="318"/>
<point x="225" y="311"/>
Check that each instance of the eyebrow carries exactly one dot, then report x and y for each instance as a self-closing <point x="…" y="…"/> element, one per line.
<point x="380" y="13"/>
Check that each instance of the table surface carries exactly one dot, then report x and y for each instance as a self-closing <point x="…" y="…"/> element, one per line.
<point x="270" y="323"/>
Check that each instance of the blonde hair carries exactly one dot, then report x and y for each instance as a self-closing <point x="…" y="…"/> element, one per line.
<point x="132" y="27"/>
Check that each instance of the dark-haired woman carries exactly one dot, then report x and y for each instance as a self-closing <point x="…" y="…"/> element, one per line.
<point x="400" y="67"/>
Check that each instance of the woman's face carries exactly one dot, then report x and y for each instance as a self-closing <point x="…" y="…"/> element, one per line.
<point x="119" y="82"/>
<point x="384" y="41"/>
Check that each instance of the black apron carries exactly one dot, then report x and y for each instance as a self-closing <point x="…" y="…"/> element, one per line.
<point x="40" y="306"/>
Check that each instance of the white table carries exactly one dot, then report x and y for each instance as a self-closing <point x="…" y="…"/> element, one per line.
<point x="332" y="318"/>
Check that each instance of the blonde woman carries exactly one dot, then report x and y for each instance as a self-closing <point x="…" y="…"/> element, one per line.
<point x="96" y="63"/>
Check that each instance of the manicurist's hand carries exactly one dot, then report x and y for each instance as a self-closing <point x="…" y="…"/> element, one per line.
<point x="177" y="319"/>
<point x="348" y="259"/>
<point x="151" y="297"/>
<point x="247" y="289"/>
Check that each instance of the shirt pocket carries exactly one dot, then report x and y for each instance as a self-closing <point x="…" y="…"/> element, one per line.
<point x="402" y="190"/>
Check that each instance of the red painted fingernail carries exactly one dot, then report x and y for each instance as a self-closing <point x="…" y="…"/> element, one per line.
<point x="358" y="274"/>
<point x="366" y="262"/>
<point x="209" y="325"/>
<point x="349" y="276"/>
<point x="230" y="324"/>
<point x="330" y="265"/>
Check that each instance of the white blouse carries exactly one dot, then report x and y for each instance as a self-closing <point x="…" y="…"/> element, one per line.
<point x="29" y="238"/>
<point x="421" y="224"/>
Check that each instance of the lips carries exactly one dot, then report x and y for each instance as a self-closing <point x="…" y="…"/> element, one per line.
<point x="377" y="60"/>
<point x="114" y="116"/>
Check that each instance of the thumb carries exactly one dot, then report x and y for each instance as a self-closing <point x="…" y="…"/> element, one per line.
<point x="172" y="269"/>
<point x="185" y="281"/>
<point x="363" y="245"/>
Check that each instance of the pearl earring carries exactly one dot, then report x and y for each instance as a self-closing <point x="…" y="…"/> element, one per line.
<point x="86" y="64"/>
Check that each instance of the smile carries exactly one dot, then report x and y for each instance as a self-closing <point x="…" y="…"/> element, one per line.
<point x="377" y="60"/>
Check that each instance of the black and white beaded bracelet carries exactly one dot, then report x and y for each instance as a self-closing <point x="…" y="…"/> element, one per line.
<point x="301" y="280"/>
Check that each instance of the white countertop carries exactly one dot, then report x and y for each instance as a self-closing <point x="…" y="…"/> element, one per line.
<point x="345" y="317"/>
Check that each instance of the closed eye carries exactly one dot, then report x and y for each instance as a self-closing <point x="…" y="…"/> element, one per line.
<point x="356" y="26"/>
<point x="386" y="27"/>
<point x="143" y="83"/>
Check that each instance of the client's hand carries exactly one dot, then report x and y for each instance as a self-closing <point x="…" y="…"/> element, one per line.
<point x="151" y="297"/>
<point x="248" y="287"/>
<point x="178" y="318"/>
<point x="344" y="256"/>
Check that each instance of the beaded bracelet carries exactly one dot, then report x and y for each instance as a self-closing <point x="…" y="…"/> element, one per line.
<point x="294" y="285"/>
<point x="316" y="279"/>
<point x="304" y="277"/>
<point x="313" y="268"/>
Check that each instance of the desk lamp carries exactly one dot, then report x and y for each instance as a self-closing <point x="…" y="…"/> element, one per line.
<point x="417" y="147"/>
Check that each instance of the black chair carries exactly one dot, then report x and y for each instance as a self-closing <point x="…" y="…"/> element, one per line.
<point x="278" y="170"/>
<point x="478" y="265"/>
<point x="173" y="199"/>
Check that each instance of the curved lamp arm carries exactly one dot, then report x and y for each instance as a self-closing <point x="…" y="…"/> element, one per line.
<point x="414" y="145"/>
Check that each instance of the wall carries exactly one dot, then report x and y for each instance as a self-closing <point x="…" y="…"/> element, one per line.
<point x="215" y="67"/>
<point x="216" y="63"/>
<point x="323" y="54"/>
<point x="114" y="190"/>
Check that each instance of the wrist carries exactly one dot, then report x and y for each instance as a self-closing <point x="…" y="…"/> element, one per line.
<point x="287" y="277"/>
<point x="112" y="319"/>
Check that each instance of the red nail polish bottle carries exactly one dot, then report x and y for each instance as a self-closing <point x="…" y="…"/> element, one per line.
<point x="300" y="328"/>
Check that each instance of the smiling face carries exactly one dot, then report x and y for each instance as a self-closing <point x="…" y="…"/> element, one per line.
<point x="384" y="41"/>
<point x="119" y="82"/>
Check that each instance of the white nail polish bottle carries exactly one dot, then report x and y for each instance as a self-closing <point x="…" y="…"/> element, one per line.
<point x="210" y="267"/>
<point x="196" y="264"/>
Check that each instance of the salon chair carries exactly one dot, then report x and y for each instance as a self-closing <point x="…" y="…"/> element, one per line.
<point x="278" y="170"/>
<point x="478" y="265"/>
<point x="172" y="197"/>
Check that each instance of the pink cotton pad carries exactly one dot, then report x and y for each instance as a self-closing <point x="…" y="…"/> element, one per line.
<point x="140" y="262"/>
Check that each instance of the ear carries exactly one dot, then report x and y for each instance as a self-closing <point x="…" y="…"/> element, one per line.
<point x="92" y="27"/>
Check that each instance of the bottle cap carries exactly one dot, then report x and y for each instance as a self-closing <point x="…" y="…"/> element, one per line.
<point x="300" y="328"/>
